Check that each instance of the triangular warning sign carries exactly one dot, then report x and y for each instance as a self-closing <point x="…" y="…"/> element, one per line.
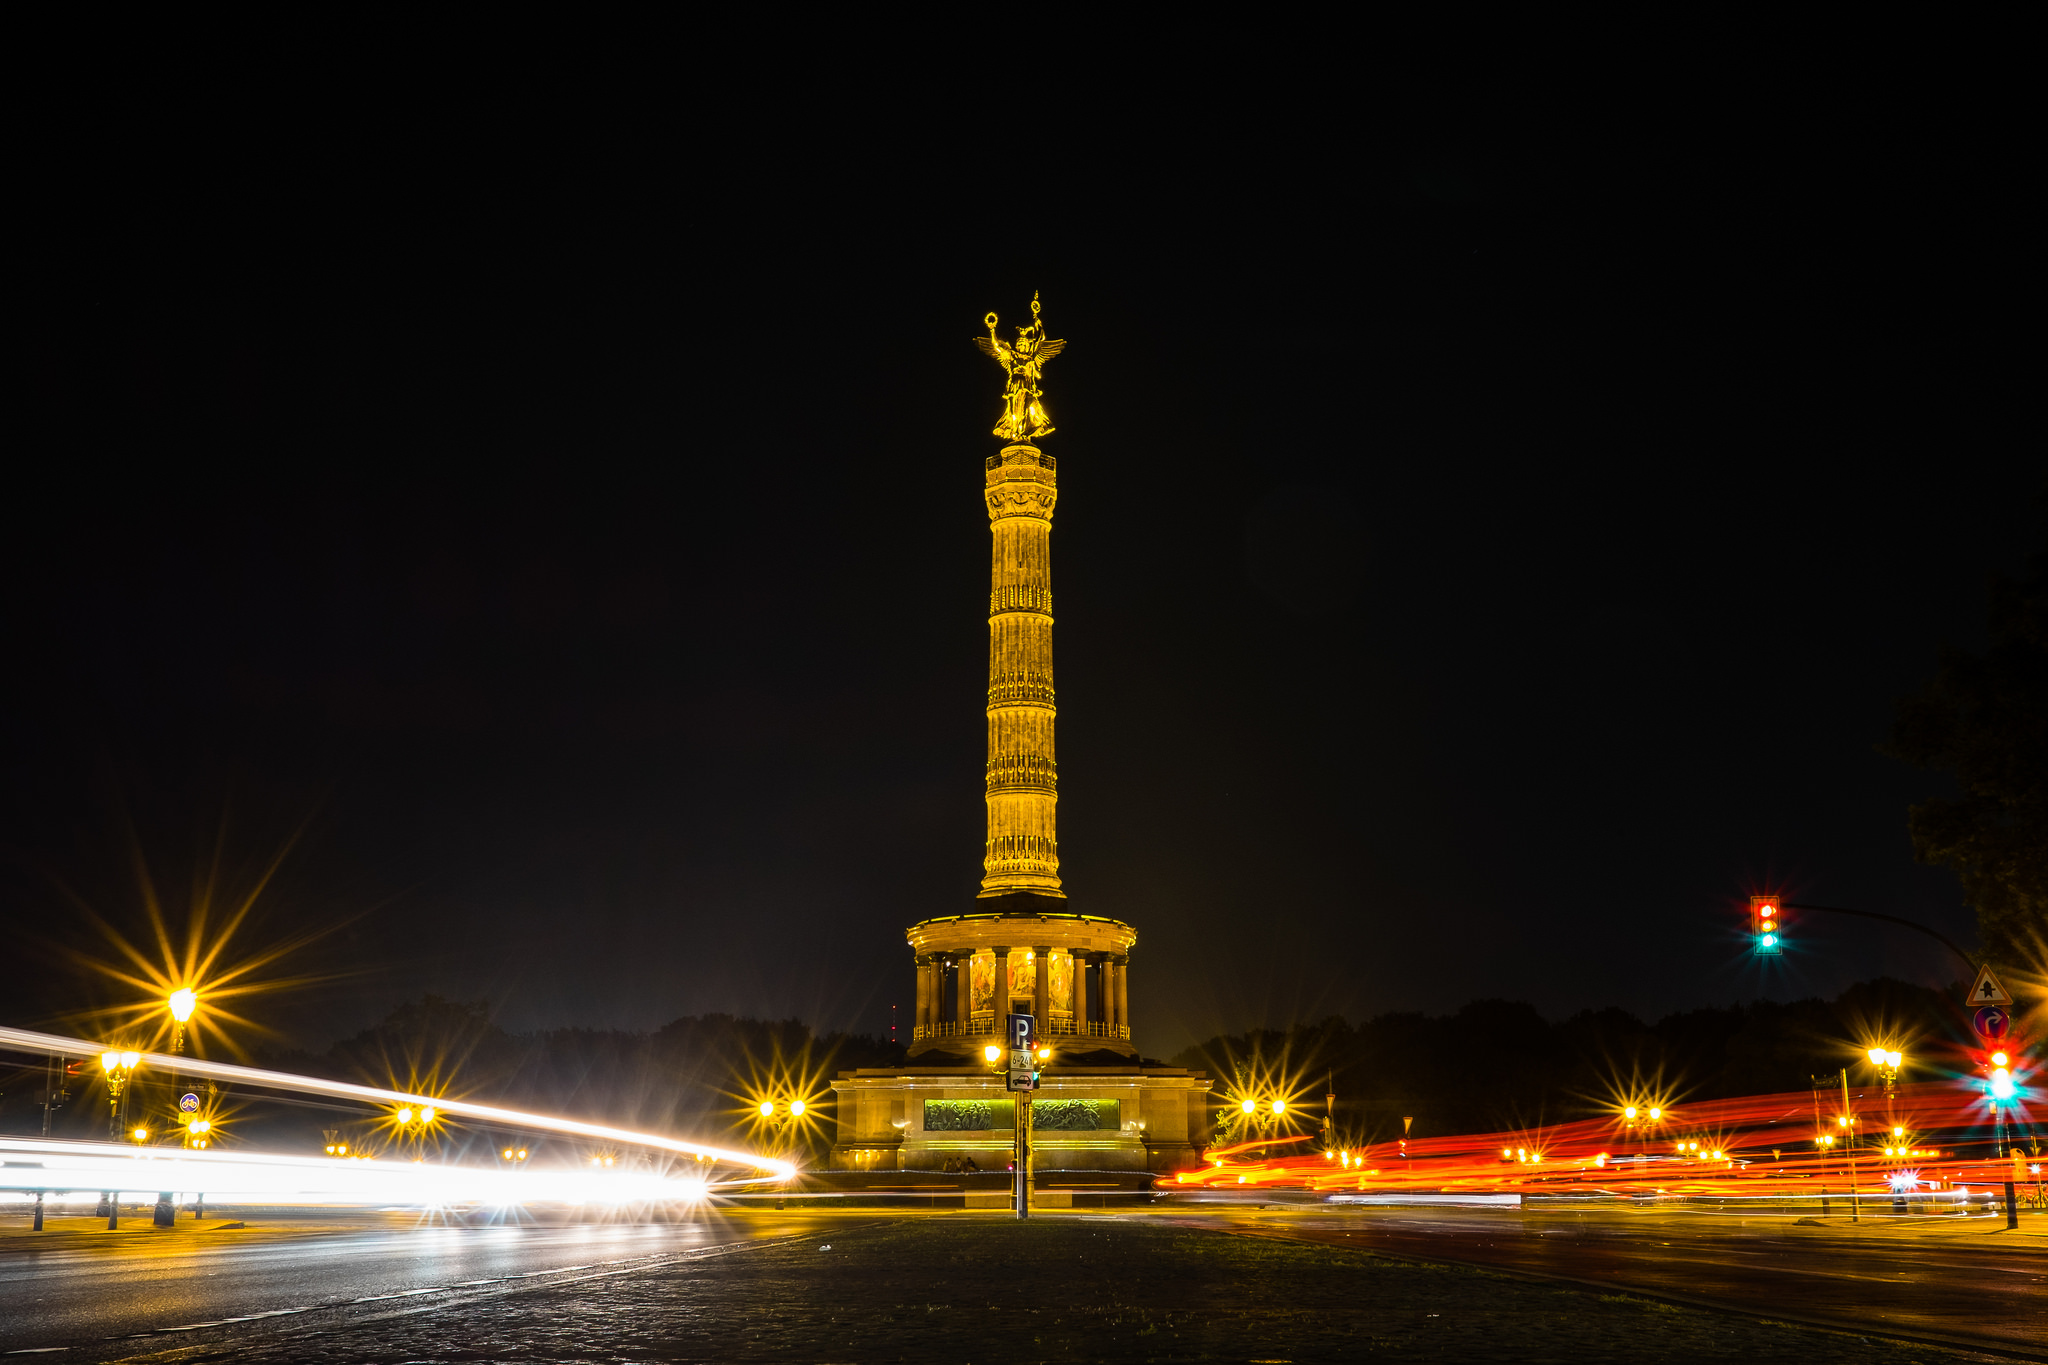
<point x="1986" y="990"/>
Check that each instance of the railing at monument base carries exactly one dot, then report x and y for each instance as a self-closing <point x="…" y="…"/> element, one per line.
<point x="983" y="1026"/>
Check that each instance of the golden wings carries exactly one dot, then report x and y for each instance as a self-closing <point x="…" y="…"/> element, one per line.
<point x="1005" y="353"/>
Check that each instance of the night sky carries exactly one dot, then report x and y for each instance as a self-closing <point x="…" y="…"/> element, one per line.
<point x="1480" y="563"/>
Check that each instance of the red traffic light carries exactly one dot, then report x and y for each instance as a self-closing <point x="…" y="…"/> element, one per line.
<point x="1766" y="923"/>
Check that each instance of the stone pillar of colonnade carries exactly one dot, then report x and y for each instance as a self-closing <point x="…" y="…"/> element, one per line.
<point x="1080" y="994"/>
<point x="1041" y="994"/>
<point x="1106" y="984"/>
<point x="999" y="1002"/>
<point x="924" y="997"/>
<point x="1123" y="994"/>
<point x="963" y="991"/>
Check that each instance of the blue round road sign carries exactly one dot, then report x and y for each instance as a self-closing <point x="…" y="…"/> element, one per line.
<point x="1991" y="1023"/>
<point x="188" y="1103"/>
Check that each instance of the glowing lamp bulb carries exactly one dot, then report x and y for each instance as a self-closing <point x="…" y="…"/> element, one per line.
<point x="141" y="1134"/>
<point x="130" y="1060"/>
<point x="992" y="1052"/>
<point x="796" y="1108"/>
<point x="767" y="1109"/>
<point x="1770" y="940"/>
<point x="427" y="1114"/>
<point x="1898" y="1132"/>
<point x="2000" y="1059"/>
<point x="1629" y="1112"/>
<point x="1893" y="1059"/>
<point x="1250" y="1106"/>
<point x="1044" y="1053"/>
<point x="1656" y="1114"/>
<point x="201" y="1126"/>
<point x="1876" y="1056"/>
<point x="404" y="1116"/>
<point x="1279" y="1106"/>
<point x="182" y="1002"/>
<point x="110" y="1061"/>
<point x="2001" y="1084"/>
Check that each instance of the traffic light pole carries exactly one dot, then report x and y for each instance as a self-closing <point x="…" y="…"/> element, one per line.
<point x="1934" y="934"/>
<point x="1021" y="1190"/>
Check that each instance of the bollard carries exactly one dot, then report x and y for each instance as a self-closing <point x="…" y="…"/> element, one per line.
<point x="199" y="1209"/>
<point x="166" y="1212"/>
<point x="39" y="1210"/>
<point x="2012" y="1206"/>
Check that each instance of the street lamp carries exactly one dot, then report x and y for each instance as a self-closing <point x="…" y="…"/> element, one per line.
<point x="183" y="1002"/>
<point x="120" y="1067"/>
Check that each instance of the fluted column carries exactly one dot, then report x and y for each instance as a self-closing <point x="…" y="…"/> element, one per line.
<point x="1123" y="993"/>
<point x="1107" y="985"/>
<point x="1022" y="850"/>
<point x="1041" y="995"/>
<point x="924" y="998"/>
<point x="963" y="991"/>
<point x="1080" y="994"/>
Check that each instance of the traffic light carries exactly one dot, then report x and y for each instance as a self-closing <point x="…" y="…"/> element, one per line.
<point x="1766" y="928"/>
<point x="1999" y="1079"/>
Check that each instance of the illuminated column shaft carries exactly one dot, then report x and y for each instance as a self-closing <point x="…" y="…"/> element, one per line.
<point x="1022" y="852"/>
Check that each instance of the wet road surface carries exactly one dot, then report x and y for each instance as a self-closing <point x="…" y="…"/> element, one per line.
<point x="1971" y="1283"/>
<point x="138" y="1291"/>
<point x="87" y="1296"/>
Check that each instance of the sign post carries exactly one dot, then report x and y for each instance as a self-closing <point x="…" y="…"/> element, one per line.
<point x="1023" y="1039"/>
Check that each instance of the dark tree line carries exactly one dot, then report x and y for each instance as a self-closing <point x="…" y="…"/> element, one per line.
<point x="1498" y="1064"/>
<point x="1984" y="718"/>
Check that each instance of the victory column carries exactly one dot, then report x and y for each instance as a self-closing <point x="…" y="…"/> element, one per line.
<point x="1021" y="949"/>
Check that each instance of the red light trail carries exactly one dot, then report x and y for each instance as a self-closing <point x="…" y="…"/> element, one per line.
<point x="1755" y="1145"/>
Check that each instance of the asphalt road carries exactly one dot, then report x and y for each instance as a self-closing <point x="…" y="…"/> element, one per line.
<point x="112" y="1295"/>
<point x="142" y="1293"/>
<point x="1966" y="1282"/>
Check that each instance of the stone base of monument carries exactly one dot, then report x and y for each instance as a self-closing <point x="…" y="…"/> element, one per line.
<point x="954" y="1121"/>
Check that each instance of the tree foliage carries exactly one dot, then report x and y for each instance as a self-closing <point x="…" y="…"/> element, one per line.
<point x="1985" y="719"/>
<point x="1498" y="1064"/>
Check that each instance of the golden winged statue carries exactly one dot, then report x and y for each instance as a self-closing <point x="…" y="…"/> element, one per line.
<point x="1023" y="360"/>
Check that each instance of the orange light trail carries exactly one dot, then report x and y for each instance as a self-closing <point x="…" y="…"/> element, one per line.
<point x="1748" y="1146"/>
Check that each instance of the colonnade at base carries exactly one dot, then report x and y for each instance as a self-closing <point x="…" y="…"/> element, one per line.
<point x="1081" y="994"/>
<point x="1071" y="972"/>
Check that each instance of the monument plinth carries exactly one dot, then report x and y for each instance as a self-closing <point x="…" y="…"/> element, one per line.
<point x="1021" y="948"/>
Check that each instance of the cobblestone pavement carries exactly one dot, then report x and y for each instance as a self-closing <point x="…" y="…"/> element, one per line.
<point x="963" y="1289"/>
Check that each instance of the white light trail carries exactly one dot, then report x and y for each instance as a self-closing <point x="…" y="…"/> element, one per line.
<point x="774" y="1168"/>
<point x="256" y="1177"/>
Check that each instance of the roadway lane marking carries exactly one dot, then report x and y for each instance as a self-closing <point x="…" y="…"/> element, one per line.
<point x="627" y="1266"/>
<point x="34" y="1350"/>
